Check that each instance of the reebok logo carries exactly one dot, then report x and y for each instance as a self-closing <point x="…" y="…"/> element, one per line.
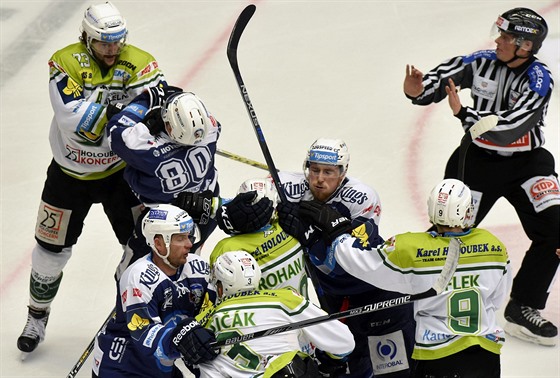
<point x="184" y="330"/>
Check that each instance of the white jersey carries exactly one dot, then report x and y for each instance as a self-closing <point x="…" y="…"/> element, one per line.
<point x="353" y="199"/>
<point x="360" y="200"/>
<point x="252" y="311"/>
<point x="278" y="254"/>
<point x="465" y="313"/>
<point x="79" y="91"/>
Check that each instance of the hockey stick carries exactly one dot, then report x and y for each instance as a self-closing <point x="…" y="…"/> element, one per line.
<point x="234" y="38"/>
<point x="89" y="348"/>
<point x="483" y="125"/>
<point x="447" y="272"/>
<point x="241" y="159"/>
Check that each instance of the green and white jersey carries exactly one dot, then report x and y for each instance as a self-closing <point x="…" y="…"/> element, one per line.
<point x="279" y="255"/>
<point x="461" y="316"/>
<point x="79" y="90"/>
<point x="252" y="311"/>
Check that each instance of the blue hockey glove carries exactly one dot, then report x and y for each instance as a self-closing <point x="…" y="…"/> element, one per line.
<point x="194" y="342"/>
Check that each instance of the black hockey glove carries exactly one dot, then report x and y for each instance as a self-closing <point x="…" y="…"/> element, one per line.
<point x="290" y="220"/>
<point x="113" y="109"/>
<point x="331" y="223"/>
<point x="158" y="95"/>
<point x="194" y="342"/>
<point x="153" y="121"/>
<point x="330" y="367"/>
<point x="241" y="215"/>
<point x="198" y="205"/>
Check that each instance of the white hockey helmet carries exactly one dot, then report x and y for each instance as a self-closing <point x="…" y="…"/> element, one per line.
<point x="264" y="188"/>
<point x="103" y="22"/>
<point x="237" y="271"/>
<point x="450" y="204"/>
<point x="186" y="118"/>
<point x="167" y="220"/>
<point x="328" y="151"/>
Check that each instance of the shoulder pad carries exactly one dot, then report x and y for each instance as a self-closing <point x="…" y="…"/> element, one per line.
<point x="485" y="54"/>
<point x="539" y="78"/>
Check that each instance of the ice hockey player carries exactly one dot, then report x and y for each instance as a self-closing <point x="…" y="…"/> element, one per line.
<point x="510" y="161"/>
<point x="457" y="332"/>
<point x="279" y="255"/>
<point x="324" y="178"/>
<point x="85" y="77"/>
<point x="242" y="310"/>
<point x="158" y="297"/>
<point x="168" y="141"/>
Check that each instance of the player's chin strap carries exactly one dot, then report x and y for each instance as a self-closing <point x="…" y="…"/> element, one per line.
<point x="447" y="272"/>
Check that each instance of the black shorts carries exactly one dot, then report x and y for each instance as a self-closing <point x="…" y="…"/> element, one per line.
<point x="66" y="202"/>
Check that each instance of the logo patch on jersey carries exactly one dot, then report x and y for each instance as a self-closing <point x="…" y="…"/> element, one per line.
<point x="485" y="88"/>
<point x="539" y="80"/>
<point x="69" y="90"/>
<point x="360" y="233"/>
<point x="543" y="192"/>
<point x="137" y="323"/>
<point x="388" y="353"/>
<point x="150" y="276"/>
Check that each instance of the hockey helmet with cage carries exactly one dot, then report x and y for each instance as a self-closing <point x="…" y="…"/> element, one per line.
<point x="104" y="22"/>
<point x="450" y="204"/>
<point x="237" y="271"/>
<point x="186" y="118"/>
<point x="523" y="24"/>
<point x="329" y="152"/>
<point x="167" y="220"/>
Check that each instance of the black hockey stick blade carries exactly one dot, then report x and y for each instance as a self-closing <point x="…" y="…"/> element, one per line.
<point x="483" y="125"/>
<point x="83" y="358"/>
<point x="238" y="28"/>
<point x="447" y="272"/>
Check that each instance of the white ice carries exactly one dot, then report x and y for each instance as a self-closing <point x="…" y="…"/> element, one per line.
<point x="312" y="69"/>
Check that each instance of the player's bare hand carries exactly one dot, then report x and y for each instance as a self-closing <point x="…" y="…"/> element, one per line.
<point x="453" y="97"/>
<point x="412" y="85"/>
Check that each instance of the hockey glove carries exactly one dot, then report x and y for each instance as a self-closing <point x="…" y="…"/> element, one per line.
<point x="331" y="223"/>
<point x="241" y="215"/>
<point x="198" y="205"/>
<point x="290" y="220"/>
<point x="113" y="109"/>
<point x="329" y="366"/>
<point x="153" y="121"/>
<point x="194" y="342"/>
<point x="158" y="95"/>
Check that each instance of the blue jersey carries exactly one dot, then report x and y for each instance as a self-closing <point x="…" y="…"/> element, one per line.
<point x="158" y="168"/>
<point x="149" y="305"/>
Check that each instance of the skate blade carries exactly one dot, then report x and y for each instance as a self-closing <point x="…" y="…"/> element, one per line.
<point x="24" y="355"/>
<point x="524" y="334"/>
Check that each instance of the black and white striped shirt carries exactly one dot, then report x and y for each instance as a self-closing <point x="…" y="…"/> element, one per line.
<point x="518" y="96"/>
